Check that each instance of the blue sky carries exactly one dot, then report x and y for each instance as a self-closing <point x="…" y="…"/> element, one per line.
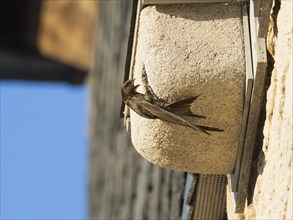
<point x="43" y="151"/>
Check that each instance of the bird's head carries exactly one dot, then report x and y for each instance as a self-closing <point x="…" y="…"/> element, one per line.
<point x="128" y="89"/>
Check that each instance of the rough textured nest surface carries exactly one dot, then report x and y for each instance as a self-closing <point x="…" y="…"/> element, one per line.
<point x="189" y="50"/>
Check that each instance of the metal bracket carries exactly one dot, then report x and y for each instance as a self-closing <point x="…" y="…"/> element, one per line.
<point x="247" y="97"/>
<point x="252" y="110"/>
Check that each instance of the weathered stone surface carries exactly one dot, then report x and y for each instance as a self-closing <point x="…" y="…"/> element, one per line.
<point x="273" y="192"/>
<point x="189" y="50"/>
<point x="270" y="195"/>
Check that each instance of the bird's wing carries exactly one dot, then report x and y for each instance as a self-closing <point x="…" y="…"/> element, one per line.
<point x="183" y="102"/>
<point x="182" y="107"/>
<point x="168" y="116"/>
<point x="184" y="111"/>
<point x="135" y="105"/>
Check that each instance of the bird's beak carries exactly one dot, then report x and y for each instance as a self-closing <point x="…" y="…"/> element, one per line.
<point x="135" y="87"/>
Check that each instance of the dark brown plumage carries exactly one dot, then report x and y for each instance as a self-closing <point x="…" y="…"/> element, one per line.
<point x="150" y="106"/>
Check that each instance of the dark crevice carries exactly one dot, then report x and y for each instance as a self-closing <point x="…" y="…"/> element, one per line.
<point x="274" y="15"/>
<point x="273" y="28"/>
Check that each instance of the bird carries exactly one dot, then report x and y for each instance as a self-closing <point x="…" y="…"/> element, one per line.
<point x="149" y="106"/>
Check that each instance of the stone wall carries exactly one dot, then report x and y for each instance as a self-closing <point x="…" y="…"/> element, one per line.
<point x="271" y="196"/>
